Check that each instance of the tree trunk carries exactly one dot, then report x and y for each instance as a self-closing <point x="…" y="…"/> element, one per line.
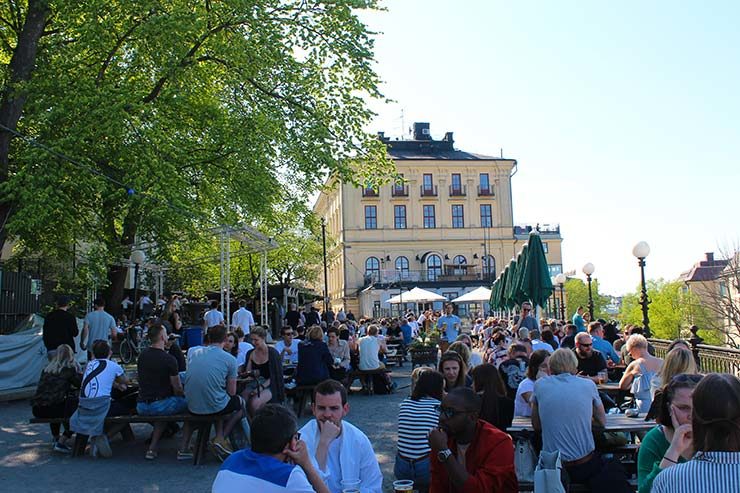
<point x="21" y="67"/>
<point x="114" y="292"/>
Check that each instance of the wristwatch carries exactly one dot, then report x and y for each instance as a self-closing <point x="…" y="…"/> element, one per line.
<point x="443" y="455"/>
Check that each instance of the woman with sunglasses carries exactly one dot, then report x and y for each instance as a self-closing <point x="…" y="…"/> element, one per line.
<point x="669" y="443"/>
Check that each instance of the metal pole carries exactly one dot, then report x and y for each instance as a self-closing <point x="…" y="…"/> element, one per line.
<point x="326" y="275"/>
<point x="562" y="303"/>
<point x="644" y="301"/>
<point x="136" y="290"/>
<point x="590" y="298"/>
<point x="227" y="279"/>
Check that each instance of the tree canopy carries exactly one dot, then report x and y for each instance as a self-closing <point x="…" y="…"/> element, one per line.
<point x="154" y="121"/>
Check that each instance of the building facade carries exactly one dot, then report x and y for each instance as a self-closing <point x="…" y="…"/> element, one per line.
<point x="447" y="227"/>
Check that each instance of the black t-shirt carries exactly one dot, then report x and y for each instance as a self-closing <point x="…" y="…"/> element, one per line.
<point x="592" y="365"/>
<point x="513" y="371"/>
<point x="176" y="351"/>
<point x="568" y="342"/>
<point x="60" y="327"/>
<point x="293" y="318"/>
<point x="155" y="368"/>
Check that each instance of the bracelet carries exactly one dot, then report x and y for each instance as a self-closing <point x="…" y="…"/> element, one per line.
<point x="669" y="460"/>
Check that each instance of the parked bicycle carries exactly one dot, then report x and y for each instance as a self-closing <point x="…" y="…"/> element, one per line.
<point x="133" y="344"/>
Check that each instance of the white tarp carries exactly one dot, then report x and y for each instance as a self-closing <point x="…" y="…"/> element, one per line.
<point x="23" y="355"/>
<point x="416" y="295"/>
<point x="477" y="295"/>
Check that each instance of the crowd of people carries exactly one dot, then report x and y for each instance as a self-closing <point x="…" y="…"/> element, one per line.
<point x="452" y="429"/>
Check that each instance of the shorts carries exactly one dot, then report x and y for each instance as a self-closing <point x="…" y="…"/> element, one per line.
<point x="163" y="407"/>
<point x="234" y="404"/>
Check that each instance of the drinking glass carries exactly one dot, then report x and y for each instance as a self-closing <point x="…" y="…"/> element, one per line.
<point x="403" y="486"/>
<point x="351" y="485"/>
<point x="603" y="376"/>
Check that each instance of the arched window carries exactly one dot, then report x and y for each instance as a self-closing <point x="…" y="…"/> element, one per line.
<point x="372" y="268"/>
<point x="489" y="266"/>
<point x="457" y="262"/>
<point x="434" y="267"/>
<point x="402" y="267"/>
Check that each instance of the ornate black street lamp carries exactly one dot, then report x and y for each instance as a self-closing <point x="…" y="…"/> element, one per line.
<point x="560" y="281"/>
<point x="589" y="269"/>
<point x="641" y="250"/>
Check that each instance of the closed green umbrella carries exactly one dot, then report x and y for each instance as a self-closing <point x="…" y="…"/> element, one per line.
<point x="534" y="282"/>
<point x="509" y="297"/>
<point x="518" y="292"/>
<point x="497" y="296"/>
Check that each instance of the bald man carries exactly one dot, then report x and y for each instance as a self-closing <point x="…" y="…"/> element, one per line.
<point x="590" y="361"/>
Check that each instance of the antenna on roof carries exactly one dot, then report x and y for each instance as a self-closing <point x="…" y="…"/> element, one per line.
<point x="502" y="152"/>
<point x="403" y="126"/>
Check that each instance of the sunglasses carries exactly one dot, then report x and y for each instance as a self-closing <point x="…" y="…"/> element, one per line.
<point x="296" y="436"/>
<point x="449" y="412"/>
<point x="584" y="345"/>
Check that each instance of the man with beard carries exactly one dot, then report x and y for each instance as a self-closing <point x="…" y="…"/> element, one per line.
<point x="340" y="450"/>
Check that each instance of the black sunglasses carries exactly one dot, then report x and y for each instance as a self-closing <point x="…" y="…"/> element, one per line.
<point x="449" y="412"/>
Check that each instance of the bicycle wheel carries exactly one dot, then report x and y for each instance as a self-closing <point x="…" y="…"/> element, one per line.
<point x="127" y="352"/>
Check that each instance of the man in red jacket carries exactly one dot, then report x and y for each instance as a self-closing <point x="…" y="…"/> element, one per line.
<point x="468" y="454"/>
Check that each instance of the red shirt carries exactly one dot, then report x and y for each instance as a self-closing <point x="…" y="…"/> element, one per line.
<point x="489" y="461"/>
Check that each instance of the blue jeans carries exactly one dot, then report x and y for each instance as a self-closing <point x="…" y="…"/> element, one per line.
<point x="417" y="470"/>
<point x="163" y="407"/>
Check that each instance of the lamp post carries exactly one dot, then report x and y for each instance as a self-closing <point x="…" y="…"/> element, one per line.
<point x="326" y="275"/>
<point x="641" y="250"/>
<point x="137" y="257"/>
<point x="560" y="281"/>
<point x="589" y="269"/>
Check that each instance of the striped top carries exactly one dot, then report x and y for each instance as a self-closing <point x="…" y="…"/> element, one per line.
<point x="415" y="420"/>
<point x="707" y="472"/>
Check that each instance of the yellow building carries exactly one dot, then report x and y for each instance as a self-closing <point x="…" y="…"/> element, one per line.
<point x="447" y="228"/>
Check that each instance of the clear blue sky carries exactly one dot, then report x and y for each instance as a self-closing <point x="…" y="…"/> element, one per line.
<point x="624" y="117"/>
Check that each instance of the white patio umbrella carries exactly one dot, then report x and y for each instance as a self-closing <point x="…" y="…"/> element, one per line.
<point x="416" y="295"/>
<point x="478" y="295"/>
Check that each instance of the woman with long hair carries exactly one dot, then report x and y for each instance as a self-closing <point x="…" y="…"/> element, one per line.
<point x="496" y="407"/>
<point x="678" y="360"/>
<point x="452" y="366"/>
<point x="264" y="363"/>
<point x="231" y="344"/>
<point x="55" y="397"/>
<point x="417" y="416"/>
<point x="715" y="441"/>
<point x="538" y="367"/>
<point x="668" y="443"/>
<point x="172" y="316"/>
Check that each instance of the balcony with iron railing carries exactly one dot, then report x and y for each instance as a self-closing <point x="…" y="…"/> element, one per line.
<point x="485" y="191"/>
<point x="522" y="231"/>
<point x="460" y="273"/>
<point x="458" y="190"/>
<point x="370" y="193"/>
<point x="400" y="191"/>
<point x="428" y="190"/>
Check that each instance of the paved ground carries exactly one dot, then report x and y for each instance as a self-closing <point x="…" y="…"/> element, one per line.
<point x="27" y="463"/>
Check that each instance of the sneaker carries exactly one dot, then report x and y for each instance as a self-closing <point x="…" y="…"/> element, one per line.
<point x="62" y="448"/>
<point x="103" y="447"/>
<point x="150" y="455"/>
<point x="220" y="448"/>
<point x="185" y="454"/>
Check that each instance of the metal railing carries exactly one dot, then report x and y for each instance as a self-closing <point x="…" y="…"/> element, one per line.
<point x="472" y="273"/>
<point x="428" y="191"/>
<point x="485" y="192"/>
<point x="369" y="192"/>
<point x="458" y="190"/>
<point x="710" y="359"/>
<point x="400" y="191"/>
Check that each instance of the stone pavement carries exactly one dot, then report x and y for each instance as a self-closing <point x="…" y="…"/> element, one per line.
<point x="27" y="463"/>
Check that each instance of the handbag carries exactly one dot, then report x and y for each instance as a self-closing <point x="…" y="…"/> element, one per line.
<point x="524" y="460"/>
<point x="548" y="473"/>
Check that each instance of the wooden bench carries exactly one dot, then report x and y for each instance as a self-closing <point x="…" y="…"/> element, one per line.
<point x="366" y="378"/>
<point x="203" y="426"/>
<point x="300" y="394"/>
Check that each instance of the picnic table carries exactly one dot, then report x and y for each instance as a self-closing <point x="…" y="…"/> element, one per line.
<point x="614" y="422"/>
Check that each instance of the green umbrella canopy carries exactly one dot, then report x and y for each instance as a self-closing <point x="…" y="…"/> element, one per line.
<point x="498" y="291"/>
<point x="535" y="283"/>
<point x="509" y="290"/>
<point x="519" y="294"/>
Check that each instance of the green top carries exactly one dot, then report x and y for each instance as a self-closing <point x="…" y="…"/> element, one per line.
<point x="652" y="449"/>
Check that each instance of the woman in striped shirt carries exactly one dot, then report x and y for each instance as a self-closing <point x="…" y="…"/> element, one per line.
<point x="417" y="416"/>
<point x="715" y="431"/>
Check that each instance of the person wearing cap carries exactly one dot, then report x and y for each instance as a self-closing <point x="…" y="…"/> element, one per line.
<point x="60" y="327"/>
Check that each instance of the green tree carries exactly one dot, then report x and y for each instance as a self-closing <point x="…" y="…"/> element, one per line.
<point x="576" y="294"/>
<point x="672" y="310"/>
<point x="182" y="116"/>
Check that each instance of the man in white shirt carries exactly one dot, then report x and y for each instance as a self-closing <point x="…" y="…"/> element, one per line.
<point x="534" y="336"/>
<point x="143" y="301"/>
<point x="242" y="317"/>
<point x="340" y="450"/>
<point x="213" y="316"/>
<point x="99" y="326"/>
<point x="288" y="346"/>
<point x="370" y="346"/>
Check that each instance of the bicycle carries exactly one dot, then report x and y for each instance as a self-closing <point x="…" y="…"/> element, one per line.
<point x="133" y="344"/>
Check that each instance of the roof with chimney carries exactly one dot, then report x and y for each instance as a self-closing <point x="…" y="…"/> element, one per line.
<point x="424" y="147"/>
<point x="705" y="270"/>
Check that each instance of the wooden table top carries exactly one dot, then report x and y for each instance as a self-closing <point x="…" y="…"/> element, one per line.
<point x="609" y="387"/>
<point x="614" y="422"/>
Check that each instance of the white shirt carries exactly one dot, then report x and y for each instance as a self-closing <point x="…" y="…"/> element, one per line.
<point x="280" y="346"/>
<point x="369" y="347"/>
<point x="243" y="318"/>
<point x="537" y="344"/>
<point x="241" y="356"/>
<point x="475" y="359"/>
<point x="213" y="318"/>
<point x="101" y="385"/>
<point x="126" y="303"/>
<point x="522" y="407"/>
<point x="145" y="300"/>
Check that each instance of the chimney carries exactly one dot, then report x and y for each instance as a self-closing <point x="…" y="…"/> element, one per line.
<point x="709" y="256"/>
<point x="448" y="138"/>
<point x="421" y="131"/>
